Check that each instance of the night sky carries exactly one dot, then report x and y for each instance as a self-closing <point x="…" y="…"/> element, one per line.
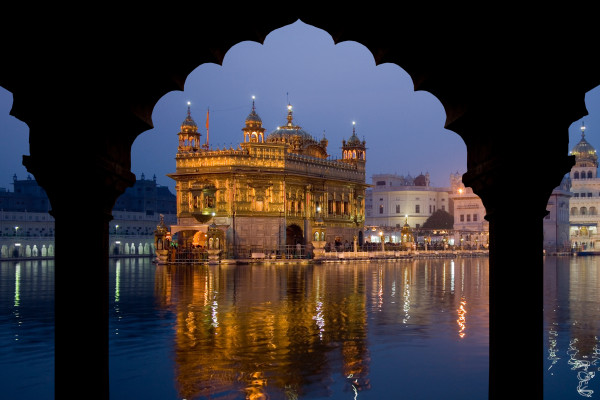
<point x="329" y="86"/>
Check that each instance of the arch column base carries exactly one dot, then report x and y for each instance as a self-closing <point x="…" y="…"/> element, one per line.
<point x="515" y="210"/>
<point x="82" y="204"/>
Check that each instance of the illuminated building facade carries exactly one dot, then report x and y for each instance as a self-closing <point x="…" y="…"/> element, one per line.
<point x="269" y="191"/>
<point x="585" y="201"/>
<point x="471" y="229"/>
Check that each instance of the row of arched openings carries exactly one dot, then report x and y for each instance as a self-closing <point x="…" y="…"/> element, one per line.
<point x="583" y="175"/>
<point x="353" y="154"/>
<point x="26" y="251"/>
<point x="141" y="248"/>
<point x="584" y="211"/>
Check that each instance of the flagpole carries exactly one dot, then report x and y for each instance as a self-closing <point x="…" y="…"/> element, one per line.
<point x="207" y="114"/>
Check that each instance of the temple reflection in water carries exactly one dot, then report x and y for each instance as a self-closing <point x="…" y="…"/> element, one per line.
<point x="293" y="330"/>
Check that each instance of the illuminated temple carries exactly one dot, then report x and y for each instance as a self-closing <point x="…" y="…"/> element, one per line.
<point x="272" y="190"/>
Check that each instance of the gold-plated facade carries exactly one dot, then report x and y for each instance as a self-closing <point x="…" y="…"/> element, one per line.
<point x="269" y="191"/>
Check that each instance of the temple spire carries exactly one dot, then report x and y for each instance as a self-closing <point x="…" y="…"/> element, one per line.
<point x="253" y="129"/>
<point x="289" y="115"/>
<point x="189" y="137"/>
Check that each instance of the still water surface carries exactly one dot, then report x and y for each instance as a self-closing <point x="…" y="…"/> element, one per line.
<point x="406" y="329"/>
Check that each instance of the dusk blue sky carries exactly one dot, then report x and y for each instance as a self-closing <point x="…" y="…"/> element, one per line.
<point x="329" y="87"/>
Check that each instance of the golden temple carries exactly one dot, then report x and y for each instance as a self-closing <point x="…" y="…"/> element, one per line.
<point x="271" y="191"/>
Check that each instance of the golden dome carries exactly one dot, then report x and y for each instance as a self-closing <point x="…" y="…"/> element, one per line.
<point x="189" y="125"/>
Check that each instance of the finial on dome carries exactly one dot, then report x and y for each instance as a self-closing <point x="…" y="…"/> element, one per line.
<point x="582" y="129"/>
<point x="289" y="116"/>
<point x="253" y="98"/>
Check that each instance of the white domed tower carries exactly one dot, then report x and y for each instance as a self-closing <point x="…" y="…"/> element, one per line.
<point x="584" y="205"/>
<point x="586" y="159"/>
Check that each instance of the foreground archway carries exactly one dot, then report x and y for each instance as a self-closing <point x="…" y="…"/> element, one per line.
<point x="491" y="93"/>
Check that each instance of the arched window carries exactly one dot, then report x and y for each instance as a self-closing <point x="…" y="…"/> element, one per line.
<point x="589" y="174"/>
<point x="583" y="211"/>
<point x="593" y="211"/>
<point x="573" y="210"/>
<point x="576" y="175"/>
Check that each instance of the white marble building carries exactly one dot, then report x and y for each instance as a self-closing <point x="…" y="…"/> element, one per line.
<point x="584" y="204"/>
<point x="394" y="198"/>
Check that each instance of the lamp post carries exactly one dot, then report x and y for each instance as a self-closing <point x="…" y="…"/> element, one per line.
<point x="116" y="229"/>
<point x="381" y="240"/>
<point x="16" y="230"/>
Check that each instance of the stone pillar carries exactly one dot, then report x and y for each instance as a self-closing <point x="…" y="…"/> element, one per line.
<point x="515" y="188"/>
<point x="82" y="178"/>
<point x="515" y="300"/>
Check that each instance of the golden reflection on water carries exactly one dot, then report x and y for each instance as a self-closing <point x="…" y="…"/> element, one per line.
<point x="239" y="329"/>
<point x="286" y="329"/>
<point x="462" y="319"/>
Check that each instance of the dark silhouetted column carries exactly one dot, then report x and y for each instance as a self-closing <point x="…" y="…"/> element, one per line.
<point x="83" y="179"/>
<point x="515" y="185"/>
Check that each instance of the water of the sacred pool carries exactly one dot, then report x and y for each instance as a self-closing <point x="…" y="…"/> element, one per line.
<point x="414" y="329"/>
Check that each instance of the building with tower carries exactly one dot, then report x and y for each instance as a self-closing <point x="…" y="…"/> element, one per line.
<point x="271" y="190"/>
<point x="584" y="204"/>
